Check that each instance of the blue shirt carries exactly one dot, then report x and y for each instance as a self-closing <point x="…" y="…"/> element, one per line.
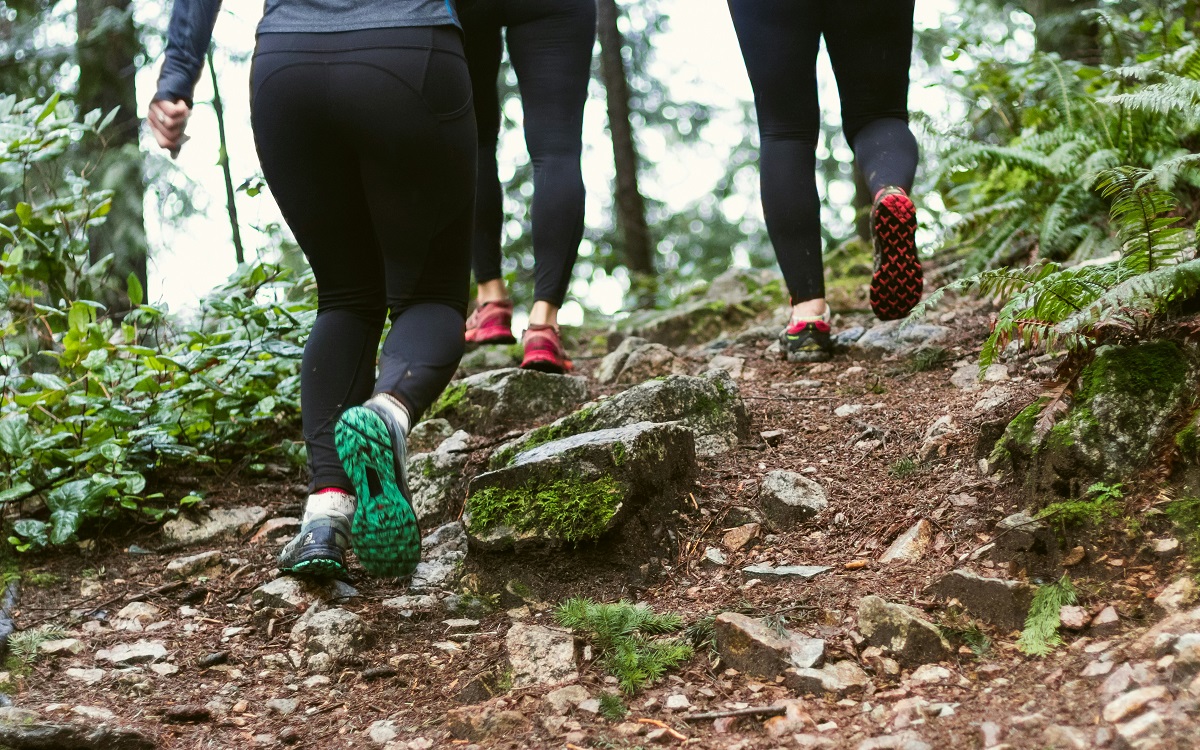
<point x="190" y="30"/>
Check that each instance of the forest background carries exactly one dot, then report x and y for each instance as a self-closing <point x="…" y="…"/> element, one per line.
<point x="1060" y="175"/>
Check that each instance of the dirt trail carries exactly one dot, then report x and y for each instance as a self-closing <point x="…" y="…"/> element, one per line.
<point x="418" y="668"/>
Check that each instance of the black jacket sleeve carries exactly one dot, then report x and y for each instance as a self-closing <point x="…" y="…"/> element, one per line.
<point x="188" y="35"/>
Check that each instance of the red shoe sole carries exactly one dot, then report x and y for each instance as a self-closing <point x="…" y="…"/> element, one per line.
<point x="545" y="362"/>
<point x="897" y="283"/>
<point x="498" y="336"/>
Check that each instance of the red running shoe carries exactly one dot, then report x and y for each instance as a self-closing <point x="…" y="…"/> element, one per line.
<point x="491" y="323"/>
<point x="544" y="350"/>
<point x="898" y="280"/>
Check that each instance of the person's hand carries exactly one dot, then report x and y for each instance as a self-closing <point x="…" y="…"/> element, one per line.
<point x="167" y="122"/>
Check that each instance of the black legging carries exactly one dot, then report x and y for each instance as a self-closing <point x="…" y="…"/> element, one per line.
<point x="367" y="140"/>
<point x="550" y="45"/>
<point x="870" y="46"/>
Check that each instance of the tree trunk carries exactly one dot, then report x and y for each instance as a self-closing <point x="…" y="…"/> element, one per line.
<point x="631" y="207"/>
<point x="1063" y="27"/>
<point x="107" y="49"/>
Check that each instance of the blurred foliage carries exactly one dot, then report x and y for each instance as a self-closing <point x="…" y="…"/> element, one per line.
<point x="90" y="406"/>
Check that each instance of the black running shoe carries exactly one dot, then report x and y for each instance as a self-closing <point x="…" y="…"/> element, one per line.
<point x="319" y="550"/>
<point x="807" y="341"/>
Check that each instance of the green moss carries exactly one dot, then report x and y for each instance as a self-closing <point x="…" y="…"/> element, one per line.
<point x="448" y="401"/>
<point x="1100" y="504"/>
<point x="618" y="454"/>
<point x="1019" y="433"/>
<point x="1188" y="441"/>
<point x="571" y="509"/>
<point x="1185" y="514"/>
<point x="1156" y="367"/>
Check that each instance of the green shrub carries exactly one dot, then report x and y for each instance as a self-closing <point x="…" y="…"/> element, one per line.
<point x="629" y="638"/>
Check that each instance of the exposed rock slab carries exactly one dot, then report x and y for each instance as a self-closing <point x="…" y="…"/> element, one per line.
<point x="298" y="594"/>
<point x="842" y="678"/>
<point x="1001" y="602"/>
<point x="493" y="400"/>
<point x="41" y="736"/>
<point x="781" y="572"/>
<point x="217" y="523"/>
<point x="442" y="553"/>
<point x="902" y="631"/>
<point x="578" y="488"/>
<point x="893" y="337"/>
<point x="710" y="407"/>
<point x="330" y="638"/>
<point x="133" y="653"/>
<point x="910" y="546"/>
<point x="637" y="360"/>
<point x="751" y="645"/>
<point x="193" y="564"/>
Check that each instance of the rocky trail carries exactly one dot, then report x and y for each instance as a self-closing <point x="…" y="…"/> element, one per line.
<point x="854" y="570"/>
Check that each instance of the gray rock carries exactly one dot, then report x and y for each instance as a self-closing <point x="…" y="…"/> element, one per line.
<point x="383" y="731"/>
<point x="636" y="361"/>
<point x="298" y="594"/>
<point x="336" y="634"/>
<point x="841" y="678"/>
<point x="37" y="736"/>
<point x="540" y="655"/>
<point x="491" y="401"/>
<point x="485" y="358"/>
<point x="604" y="476"/>
<point x="910" y="546"/>
<point x="94" y="713"/>
<point x="61" y="646"/>
<point x="1146" y="727"/>
<point x="966" y="378"/>
<point x="1027" y="543"/>
<point x="1062" y="737"/>
<point x="1001" y="602"/>
<point x="688" y="323"/>
<point x="86" y="676"/>
<point x="283" y="706"/>
<point x="900" y="741"/>
<point x="443" y="551"/>
<point x="193" y="564"/>
<point x="1125" y="706"/>
<point x="846" y="338"/>
<point x="428" y="435"/>
<point x="133" y="653"/>
<point x="412" y="603"/>
<point x="788" y="498"/>
<point x="902" y="631"/>
<point x="751" y="645"/>
<point x="436" y="480"/>
<point x="732" y="365"/>
<point x="894" y="337"/>
<point x="217" y="523"/>
<point x="488" y="722"/>
<point x="776" y="573"/>
<point x="715" y="557"/>
<point x="709" y="406"/>
<point x="1159" y="640"/>
<point x="14" y="715"/>
<point x="562" y="700"/>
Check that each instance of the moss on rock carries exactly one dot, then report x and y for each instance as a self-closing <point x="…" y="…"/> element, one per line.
<point x="572" y="508"/>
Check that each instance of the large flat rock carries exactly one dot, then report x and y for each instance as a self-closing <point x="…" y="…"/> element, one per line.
<point x="578" y="488"/>
<point x="495" y="400"/>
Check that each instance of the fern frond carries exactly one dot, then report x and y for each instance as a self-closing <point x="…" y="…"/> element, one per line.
<point x="1174" y="94"/>
<point x="1040" y="636"/>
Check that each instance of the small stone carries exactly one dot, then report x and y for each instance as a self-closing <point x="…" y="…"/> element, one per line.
<point x="1166" y="548"/>
<point x="193" y="564"/>
<point x="768" y="572"/>
<point x="1097" y="669"/>
<point x="931" y="674"/>
<point x="848" y="410"/>
<point x="736" y="539"/>
<point x="564" y="699"/>
<point x="773" y="437"/>
<point x="715" y="557"/>
<point x="213" y="659"/>
<point x="842" y="678"/>
<point x="462" y="625"/>
<point x="788" y="498"/>
<point x="330" y="637"/>
<point x="412" y="603"/>
<point x="1132" y="703"/>
<point x="1062" y="737"/>
<point x="677" y="702"/>
<point x="1106" y="623"/>
<point x="164" y="670"/>
<point x="902" y="631"/>
<point x="383" y="732"/>
<point x="991" y="733"/>
<point x="291" y="735"/>
<point x="1177" y="596"/>
<point x="540" y="655"/>
<point x="135" y="653"/>
<point x="275" y="527"/>
<point x="479" y="724"/>
<point x="95" y="713"/>
<point x="61" y="646"/>
<point x="316" y="681"/>
<point x="1149" y="724"/>
<point x="1074" y="557"/>
<point x="1073" y="617"/>
<point x="751" y="645"/>
<point x="731" y="365"/>
<point x="86" y="676"/>
<point x="912" y="545"/>
<point x="283" y="706"/>
<point x="141" y="613"/>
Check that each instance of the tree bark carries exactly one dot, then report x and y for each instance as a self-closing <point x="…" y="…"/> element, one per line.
<point x="631" y="206"/>
<point x="107" y="48"/>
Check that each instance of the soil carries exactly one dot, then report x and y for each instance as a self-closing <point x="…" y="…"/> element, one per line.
<point x="872" y="500"/>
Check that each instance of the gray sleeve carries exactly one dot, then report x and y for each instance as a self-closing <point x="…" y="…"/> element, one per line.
<point x="188" y="35"/>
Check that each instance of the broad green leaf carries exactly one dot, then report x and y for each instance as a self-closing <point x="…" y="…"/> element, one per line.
<point x="15" y="492"/>
<point x="80" y="316"/>
<point x="14" y="435"/>
<point x="24" y="213"/>
<point x="63" y="525"/>
<point x="32" y="530"/>
<point x="135" y="290"/>
<point x="95" y="359"/>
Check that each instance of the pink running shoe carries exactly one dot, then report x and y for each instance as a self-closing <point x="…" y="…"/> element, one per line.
<point x="491" y="323"/>
<point x="544" y="350"/>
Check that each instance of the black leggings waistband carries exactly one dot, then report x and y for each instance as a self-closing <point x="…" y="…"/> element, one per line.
<point x="443" y="38"/>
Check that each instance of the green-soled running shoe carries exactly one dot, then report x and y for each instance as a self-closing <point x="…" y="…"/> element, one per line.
<point x="319" y="550"/>
<point x="385" y="533"/>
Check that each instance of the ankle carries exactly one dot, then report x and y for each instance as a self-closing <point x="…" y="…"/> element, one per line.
<point x="395" y="407"/>
<point x="491" y="291"/>
<point x="544" y="314"/>
<point x="329" y="501"/>
<point x="812" y="309"/>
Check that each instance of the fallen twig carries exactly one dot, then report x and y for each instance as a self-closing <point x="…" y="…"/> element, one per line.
<point x="666" y="726"/>
<point x="791" y="398"/>
<point x="166" y="588"/>
<point x="752" y="711"/>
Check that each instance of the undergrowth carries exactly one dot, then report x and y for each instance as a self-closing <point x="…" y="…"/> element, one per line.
<point x="1101" y="503"/>
<point x="1185" y="515"/>
<point x="1040" y="636"/>
<point x="903" y="468"/>
<point x="23" y="646"/>
<point x="570" y="508"/>
<point x="630" y="639"/>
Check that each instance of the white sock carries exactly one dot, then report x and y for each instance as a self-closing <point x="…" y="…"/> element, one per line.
<point x="329" y="502"/>
<point x="393" y="406"/>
